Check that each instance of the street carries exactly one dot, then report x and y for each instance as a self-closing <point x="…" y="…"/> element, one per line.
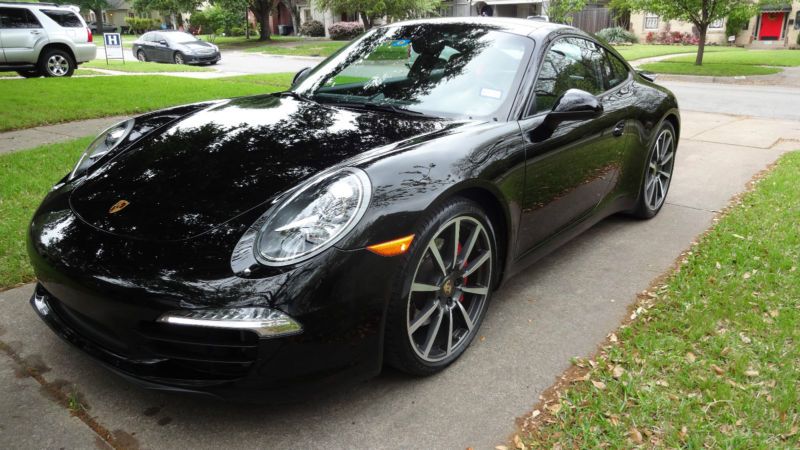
<point x="559" y="309"/>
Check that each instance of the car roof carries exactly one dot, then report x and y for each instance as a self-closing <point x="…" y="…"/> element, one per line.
<point x="40" y="5"/>
<point x="523" y="27"/>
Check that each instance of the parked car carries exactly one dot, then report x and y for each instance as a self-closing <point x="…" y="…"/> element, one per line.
<point x="39" y="39"/>
<point x="267" y="246"/>
<point x="174" y="47"/>
<point x="107" y="28"/>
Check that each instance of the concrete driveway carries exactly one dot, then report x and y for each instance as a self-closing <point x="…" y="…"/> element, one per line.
<point x="561" y="308"/>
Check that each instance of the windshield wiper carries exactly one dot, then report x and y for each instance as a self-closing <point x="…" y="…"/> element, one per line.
<point x="393" y="108"/>
<point x="294" y="95"/>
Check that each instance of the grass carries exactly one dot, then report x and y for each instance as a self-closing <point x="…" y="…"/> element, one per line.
<point x="134" y="66"/>
<point x="781" y="58"/>
<point x="309" y="48"/>
<point x="66" y="99"/>
<point x="27" y="176"/>
<point x="639" y="51"/>
<point x="707" y="69"/>
<point x="77" y="72"/>
<point x="712" y="359"/>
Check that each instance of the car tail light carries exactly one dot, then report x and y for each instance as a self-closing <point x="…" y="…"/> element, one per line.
<point x="89" y="37"/>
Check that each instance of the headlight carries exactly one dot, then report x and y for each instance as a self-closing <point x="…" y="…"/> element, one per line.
<point x="313" y="218"/>
<point x="107" y="140"/>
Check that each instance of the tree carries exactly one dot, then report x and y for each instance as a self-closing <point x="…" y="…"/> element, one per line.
<point x="560" y="11"/>
<point x="294" y="11"/>
<point x="172" y="7"/>
<point x="370" y="10"/>
<point x="701" y="13"/>
<point x="95" y="6"/>
<point x="621" y="11"/>
<point x="261" y="10"/>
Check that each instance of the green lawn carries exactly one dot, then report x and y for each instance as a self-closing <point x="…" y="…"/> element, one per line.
<point x="66" y="99"/>
<point x="707" y="69"/>
<point x="27" y="176"/>
<point x="239" y="42"/>
<point x="77" y="72"/>
<point x="307" y="48"/>
<point x="639" y="51"/>
<point x="783" y="58"/>
<point x="134" y="66"/>
<point x="712" y="360"/>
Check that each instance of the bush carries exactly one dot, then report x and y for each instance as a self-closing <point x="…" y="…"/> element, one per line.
<point x="312" y="28"/>
<point x="617" y="35"/>
<point x="141" y="25"/>
<point x="344" y="31"/>
<point x="668" y="37"/>
<point x="236" y="31"/>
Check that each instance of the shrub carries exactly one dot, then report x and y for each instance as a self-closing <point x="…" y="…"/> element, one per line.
<point x="344" y="31"/>
<point x="617" y="35"/>
<point x="141" y="25"/>
<point x="312" y="28"/>
<point x="236" y="31"/>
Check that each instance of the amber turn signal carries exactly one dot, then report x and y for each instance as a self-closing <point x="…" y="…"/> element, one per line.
<point x="392" y="248"/>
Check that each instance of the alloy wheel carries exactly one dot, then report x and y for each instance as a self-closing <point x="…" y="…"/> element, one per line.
<point x="178" y="58"/>
<point x="141" y="56"/>
<point x="449" y="290"/>
<point x="659" y="170"/>
<point x="58" y="65"/>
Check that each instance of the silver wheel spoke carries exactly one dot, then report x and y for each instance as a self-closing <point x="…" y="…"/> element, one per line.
<point x="476" y="264"/>
<point x="667" y="158"/>
<point x="423" y="287"/>
<point x="664" y="174"/>
<point x="437" y="256"/>
<point x="455" y="243"/>
<point x="422" y="318"/>
<point x="432" y="333"/>
<point x="473" y="237"/>
<point x="466" y="316"/>
<point x="450" y="332"/>
<point x="475" y="290"/>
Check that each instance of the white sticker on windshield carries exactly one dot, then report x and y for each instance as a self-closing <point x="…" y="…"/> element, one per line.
<point x="491" y="93"/>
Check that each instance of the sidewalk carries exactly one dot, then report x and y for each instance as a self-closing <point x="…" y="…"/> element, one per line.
<point x="11" y="141"/>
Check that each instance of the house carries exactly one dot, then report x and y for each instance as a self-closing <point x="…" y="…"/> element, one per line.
<point x="774" y="26"/>
<point x="116" y="13"/>
<point x="593" y="18"/>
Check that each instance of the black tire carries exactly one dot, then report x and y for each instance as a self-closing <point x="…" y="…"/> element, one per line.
<point x="648" y="206"/>
<point x="29" y="73"/>
<point x="178" y="58"/>
<point x="56" y="63"/>
<point x="407" y="321"/>
<point x="141" y="55"/>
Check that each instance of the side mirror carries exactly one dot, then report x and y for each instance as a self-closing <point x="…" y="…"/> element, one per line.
<point x="162" y="42"/>
<point x="574" y="104"/>
<point x="298" y="77"/>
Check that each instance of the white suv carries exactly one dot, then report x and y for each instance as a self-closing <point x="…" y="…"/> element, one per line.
<point x="43" y="39"/>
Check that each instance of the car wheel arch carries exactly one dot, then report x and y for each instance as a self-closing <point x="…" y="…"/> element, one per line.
<point x="492" y="203"/>
<point x="59" y="46"/>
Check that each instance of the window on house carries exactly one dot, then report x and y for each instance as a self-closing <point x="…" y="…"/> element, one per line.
<point x="716" y="24"/>
<point x="797" y="21"/>
<point x="650" y="21"/>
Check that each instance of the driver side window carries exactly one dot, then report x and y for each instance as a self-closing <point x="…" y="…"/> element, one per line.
<point x="570" y="63"/>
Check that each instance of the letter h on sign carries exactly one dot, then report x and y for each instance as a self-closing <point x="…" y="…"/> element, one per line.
<point x="112" y="40"/>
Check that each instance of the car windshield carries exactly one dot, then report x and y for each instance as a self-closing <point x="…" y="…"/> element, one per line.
<point x="180" y="37"/>
<point x="446" y="70"/>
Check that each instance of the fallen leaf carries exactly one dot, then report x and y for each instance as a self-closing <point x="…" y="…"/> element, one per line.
<point x="518" y="442"/>
<point x="612" y="337"/>
<point x="684" y="432"/>
<point x="690" y="357"/>
<point x="746" y="275"/>
<point x="599" y="384"/>
<point x="751" y="373"/>
<point x="719" y="266"/>
<point x="535" y="413"/>
<point x="737" y="236"/>
<point x="617" y="372"/>
<point x="744" y="338"/>
<point x="583" y="378"/>
<point x="554" y="408"/>
<point x="725" y="351"/>
<point x="719" y="370"/>
<point x="662" y="383"/>
<point x="483" y="338"/>
<point x="774" y="313"/>
<point x="635" y="435"/>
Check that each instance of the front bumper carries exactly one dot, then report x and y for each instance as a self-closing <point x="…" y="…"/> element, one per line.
<point x="202" y="59"/>
<point x="105" y="294"/>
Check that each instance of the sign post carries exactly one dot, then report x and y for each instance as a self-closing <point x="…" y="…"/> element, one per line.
<point x="112" y="42"/>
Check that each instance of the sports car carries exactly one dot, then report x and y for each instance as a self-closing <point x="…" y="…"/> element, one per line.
<point x="264" y="247"/>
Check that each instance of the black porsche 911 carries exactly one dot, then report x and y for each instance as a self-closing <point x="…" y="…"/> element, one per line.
<point x="265" y="246"/>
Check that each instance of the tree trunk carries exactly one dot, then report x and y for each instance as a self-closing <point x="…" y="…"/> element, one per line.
<point x="295" y="13"/>
<point x="366" y="19"/>
<point x="98" y="20"/>
<point x="263" y="22"/>
<point x="701" y="46"/>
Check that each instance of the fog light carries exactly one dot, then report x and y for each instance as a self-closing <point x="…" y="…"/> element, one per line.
<point x="265" y="322"/>
<point x="41" y="304"/>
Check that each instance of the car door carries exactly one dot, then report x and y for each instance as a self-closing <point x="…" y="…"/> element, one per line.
<point x="161" y="50"/>
<point x="570" y="166"/>
<point x="21" y="33"/>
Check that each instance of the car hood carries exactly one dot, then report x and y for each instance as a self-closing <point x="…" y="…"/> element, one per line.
<point x="198" y="45"/>
<point x="214" y="164"/>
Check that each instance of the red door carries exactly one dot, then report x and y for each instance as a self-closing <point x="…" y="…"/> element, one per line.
<point x="771" y="26"/>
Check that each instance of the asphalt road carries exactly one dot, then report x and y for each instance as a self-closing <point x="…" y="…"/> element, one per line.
<point x="554" y="311"/>
<point x="759" y="101"/>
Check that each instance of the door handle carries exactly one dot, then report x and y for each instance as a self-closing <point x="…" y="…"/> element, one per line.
<point x="36" y="32"/>
<point x="619" y="129"/>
